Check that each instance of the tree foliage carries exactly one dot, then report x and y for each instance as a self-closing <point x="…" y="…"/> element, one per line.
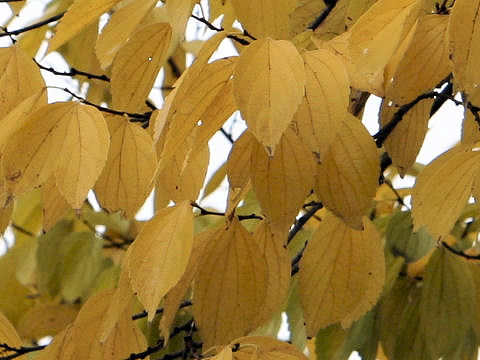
<point x="312" y="225"/>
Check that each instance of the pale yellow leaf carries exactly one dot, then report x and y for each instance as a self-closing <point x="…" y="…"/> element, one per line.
<point x="215" y="180"/>
<point x="20" y="78"/>
<point x="177" y="13"/>
<point x="124" y="183"/>
<point x="78" y="16"/>
<point x="347" y="177"/>
<point x="378" y="32"/>
<point x="265" y="348"/>
<point x="423" y="64"/>
<point x="217" y="8"/>
<point x="326" y="100"/>
<point x="9" y="336"/>
<point x="238" y="165"/>
<point x="61" y="347"/>
<point x="224" y="354"/>
<point x="126" y="338"/>
<point x="160" y="254"/>
<point x="463" y="32"/>
<point x="230" y="286"/>
<point x="46" y="319"/>
<point x="54" y="204"/>
<point x="119" y="28"/>
<point x="265" y="18"/>
<point x="278" y="268"/>
<point x="84" y="151"/>
<point x="201" y="87"/>
<point x="174" y="297"/>
<point x="442" y="189"/>
<point x="137" y="64"/>
<point x="404" y="142"/>
<point x="341" y="273"/>
<point x="282" y="182"/>
<point x="269" y="82"/>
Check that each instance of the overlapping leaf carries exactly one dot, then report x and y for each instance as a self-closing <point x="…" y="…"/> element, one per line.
<point x="268" y="86"/>
<point x="341" y="274"/>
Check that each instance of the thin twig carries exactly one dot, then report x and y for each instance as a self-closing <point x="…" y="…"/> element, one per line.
<point x="204" y="212"/>
<point x="72" y="72"/>
<point x="33" y="26"/>
<point x="220" y="29"/>
<point x="22" y="350"/>
<point x="303" y="220"/>
<point x="21" y="229"/>
<point x="160" y="310"/>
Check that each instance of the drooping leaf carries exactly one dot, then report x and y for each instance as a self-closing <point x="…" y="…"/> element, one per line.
<point x="136" y="66"/>
<point x="160" y="254"/>
<point x="347" y="177"/>
<point x="341" y="274"/>
<point x="230" y="286"/>
<point x="126" y="179"/>
<point x="9" y="336"/>
<point x="442" y="190"/>
<point x="268" y="86"/>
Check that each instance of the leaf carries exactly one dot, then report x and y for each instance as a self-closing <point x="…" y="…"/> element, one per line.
<point x="78" y="16"/>
<point x="263" y="348"/>
<point x="9" y="336"/>
<point x="119" y="28"/>
<point x="20" y="78"/>
<point x="347" y="177"/>
<point x="230" y="286"/>
<point x="401" y="241"/>
<point x="442" y="189"/>
<point x="160" y="254"/>
<point x="341" y="274"/>
<point x="54" y="204"/>
<point x="377" y="33"/>
<point x="136" y="66"/>
<point x="294" y="311"/>
<point x="447" y="303"/>
<point x="463" y="29"/>
<point x="265" y="18"/>
<point x="61" y="347"/>
<point x="423" y="64"/>
<point x="326" y="100"/>
<point x="77" y="131"/>
<point x="268" y="87"/>
<point x="125" y="182"/>
<point x="405" y="141"/>
<point x="282" y="182"/>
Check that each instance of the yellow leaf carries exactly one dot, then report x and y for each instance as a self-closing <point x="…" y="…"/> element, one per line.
<point x="448" y="285"/>
<point x="9" y="336"/>
<point x="347" y="177"/>
<point x="304" y="14"/>
<point x="61" y="347"/>
<point x="45" y="319"/>
<point x="216" y="180"/>
<point x="442" y="189"/>
<point x="202" y="85"/>
<point x="218" y="7"/>
<point x="376" y="35"/>
<point x="224" y="354"/>
<point x="341" y="273"/>
<point x="268" y="86"/>
<point x="20" y="78"/>
<point x="405" y="141"/>
<point x="84" y="150"/>
<point x="77" y="132"/>
<point x="119" y="28"/>
<point x="238" y="165"/>
<point x="282" y="182"/>
<point x="78" y="16"/>
<point x="265" y="348"/>
<point x="423" y="64"/>
<point x="125" y="181"/>
<point x="278" y="268"/>
<point x="265" y="18"/>
<point x="230" y="286"/>
<point x="327" y="92"/>
<point x="54" y="204"/>
<point x="160" y="254"/>
<point x="136" y="66"/>
<point x="126" y="338"/>
<point x="463" y="31"/>
<point x="174" y="297"/>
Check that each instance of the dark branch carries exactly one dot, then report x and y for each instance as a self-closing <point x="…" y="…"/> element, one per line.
<point x="21" y="229"/>
<point x="159" y="311"/>
<point x="16" y="352"/>
<point x="460" y="253"/>
<point x="220" y="29"/>
<point x="227" y="135"/>
<point x="321" y="18"/>
<point x="204" y="212"/>
<point x="72" y="72"/>
<point x="33" y="26"/>
<point x="303" y="220"/>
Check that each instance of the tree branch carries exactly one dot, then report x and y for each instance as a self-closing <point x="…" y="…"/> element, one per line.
<point x="72" y="72"/>
<point x="220" y="29"/>
<point x="321" y="18"/>
<point x="33" y="26"/>
<point x="204" y="211"/>
<point x="159" y="311"/>
<point x="22" y="350"/>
